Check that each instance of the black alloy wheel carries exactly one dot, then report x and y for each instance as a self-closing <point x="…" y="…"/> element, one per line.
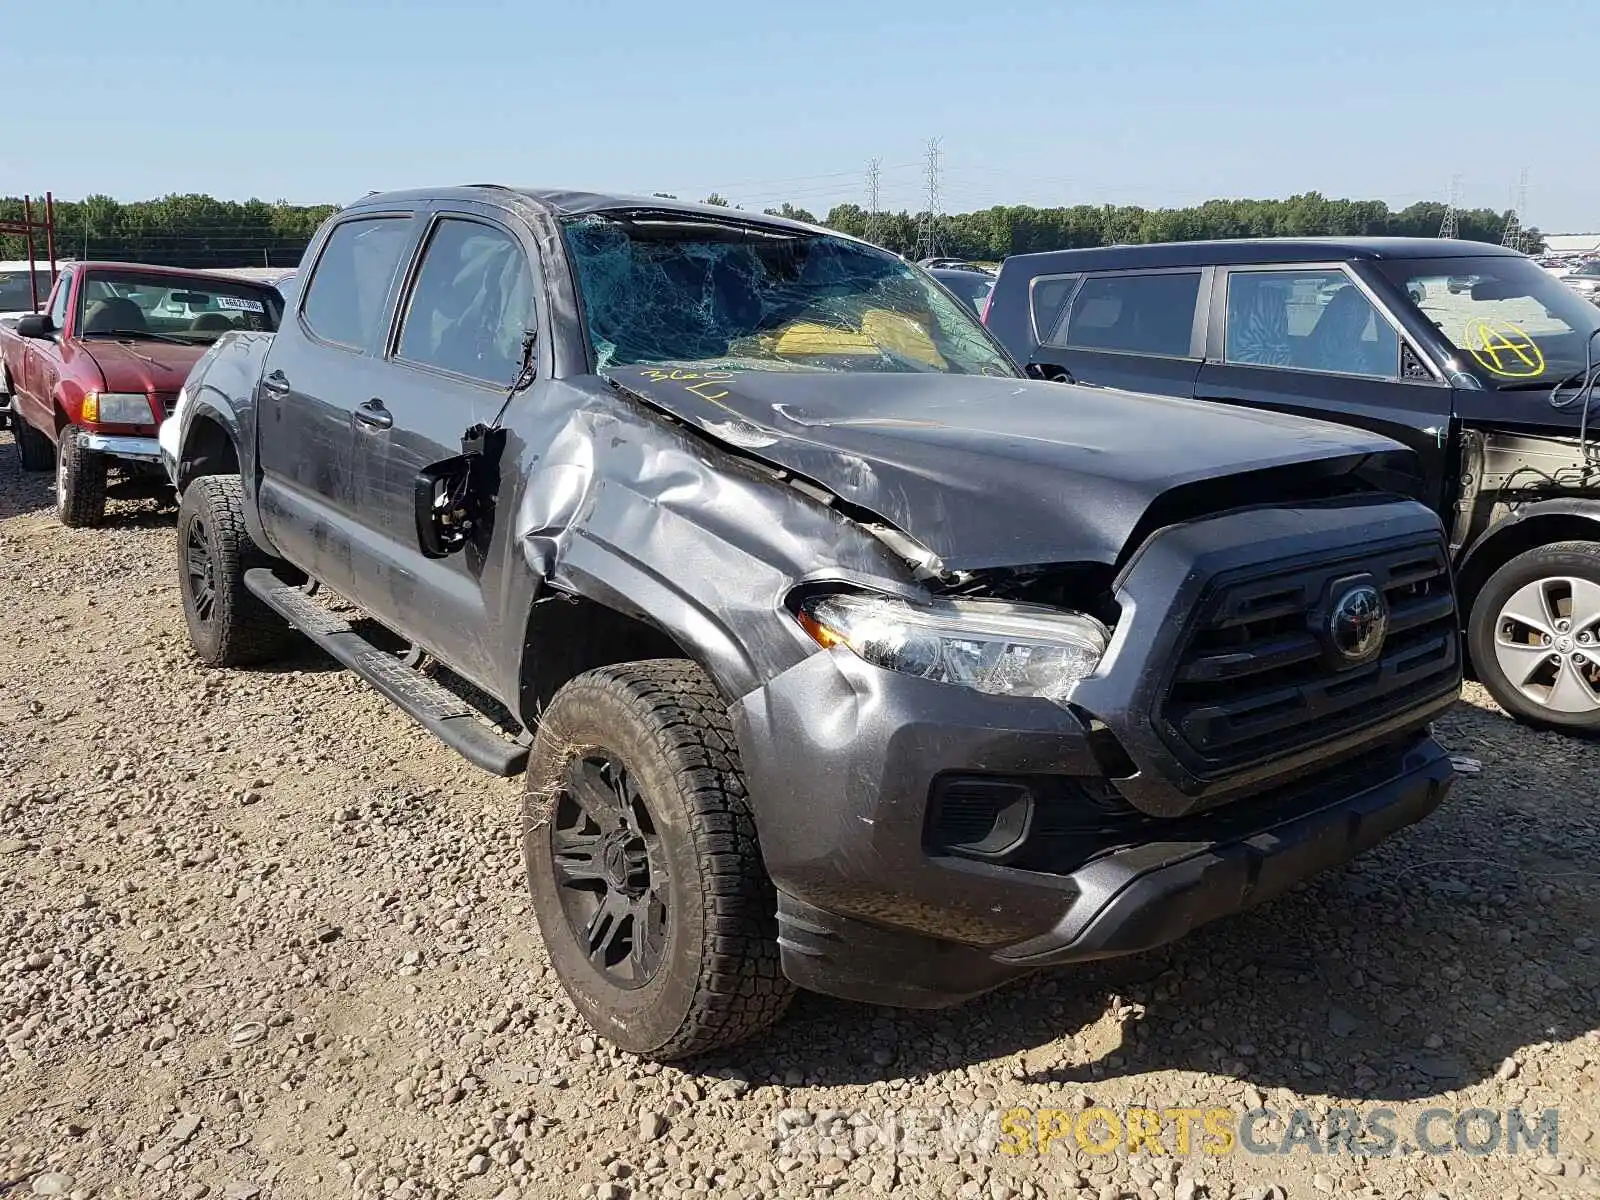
<point x="610" y="869"/>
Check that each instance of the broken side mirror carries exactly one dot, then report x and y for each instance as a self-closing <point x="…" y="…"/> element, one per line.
<point x="454" y="499"/>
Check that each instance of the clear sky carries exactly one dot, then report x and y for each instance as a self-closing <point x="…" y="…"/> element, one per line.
<point x="1153" y="102"/>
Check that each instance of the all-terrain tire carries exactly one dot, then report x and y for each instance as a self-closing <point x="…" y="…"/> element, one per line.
<point x="228" y="625"/>
<point x="80" y="482"/>
<point x="1549" y="566"/>
<point x="34" y="450"/>
<point x="719" y="980"/>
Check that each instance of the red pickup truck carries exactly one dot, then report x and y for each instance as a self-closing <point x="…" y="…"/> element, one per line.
<point x="89" y="380"/>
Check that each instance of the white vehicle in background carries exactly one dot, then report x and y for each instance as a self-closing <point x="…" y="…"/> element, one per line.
<point x="17" y="297"/>
<point x="1585" y="280"/>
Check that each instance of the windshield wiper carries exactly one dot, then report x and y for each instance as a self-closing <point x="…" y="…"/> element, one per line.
<point x="139" y="333"/>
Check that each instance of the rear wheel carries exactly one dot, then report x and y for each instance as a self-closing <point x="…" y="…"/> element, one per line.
<point x="1534" y="635"/>
<point x="228" y="625"/>
<point x="34" y="451"/>
<point x="641" y="854"/>
<point x="80" y="482"/>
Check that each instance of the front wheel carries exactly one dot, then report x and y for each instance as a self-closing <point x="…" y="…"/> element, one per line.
<point x="641" y="854"/>
<point x="80" y="482"/>
<point x="1534" y="635"/>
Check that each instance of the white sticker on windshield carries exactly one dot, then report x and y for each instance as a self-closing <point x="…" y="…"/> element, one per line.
<point x="241" y="302"/>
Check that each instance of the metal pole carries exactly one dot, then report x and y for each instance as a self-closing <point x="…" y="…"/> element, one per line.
<point x="27" y="220"/>
<point x="50" y="231"/>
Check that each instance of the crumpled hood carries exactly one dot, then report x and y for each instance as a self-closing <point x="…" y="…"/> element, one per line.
<point x="142" y="366"/>
<point x="989" y="471"/>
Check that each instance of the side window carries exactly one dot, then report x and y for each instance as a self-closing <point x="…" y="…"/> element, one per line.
<point x="58" y="302"/>
<point x="1314" y="320"/>
<point x="1048" y="295"/>
<point x="471" y="303"/>
<point x="1136" y="314"/>
<point x="344" y="302"/>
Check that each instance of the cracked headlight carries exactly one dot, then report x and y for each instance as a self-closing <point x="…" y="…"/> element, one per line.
<point x="993" y="647"/>
<point x="117" y="408"/>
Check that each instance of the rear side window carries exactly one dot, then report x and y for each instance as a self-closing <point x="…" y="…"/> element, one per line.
<point x="1134" y="314"/>
<point x="344" y="302"/>
<point x="1048" y="297"/>
<point x="1313" y="320"/>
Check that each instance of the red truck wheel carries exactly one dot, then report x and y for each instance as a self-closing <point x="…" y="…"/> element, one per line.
<point x="34" y="451"/>
<point x="80" y="482"/>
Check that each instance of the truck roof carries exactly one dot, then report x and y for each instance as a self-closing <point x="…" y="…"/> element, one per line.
<point x="1234" y="251"/>
<point x="567" y="202"/>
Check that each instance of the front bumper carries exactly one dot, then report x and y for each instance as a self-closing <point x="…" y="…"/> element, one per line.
<point x="1129" y="837"/>
<point x="1125" y="902"/>
<point x="138" y="449"/>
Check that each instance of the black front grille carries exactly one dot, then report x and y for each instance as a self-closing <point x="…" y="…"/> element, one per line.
<point x="1259" y="678"/>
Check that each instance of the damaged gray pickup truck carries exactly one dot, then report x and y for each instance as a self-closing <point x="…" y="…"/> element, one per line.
<point x="847" y="657"/>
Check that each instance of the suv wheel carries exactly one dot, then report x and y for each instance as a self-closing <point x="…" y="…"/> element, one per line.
<point x="34" y="451"/>
<point x="641" y="854"/>
<point x="1534" y="636"/>
<point x="80" y="482"/>
<point x="228" y="625"/>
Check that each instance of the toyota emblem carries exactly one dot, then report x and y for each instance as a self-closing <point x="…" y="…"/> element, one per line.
<point x="1358" y="623"/>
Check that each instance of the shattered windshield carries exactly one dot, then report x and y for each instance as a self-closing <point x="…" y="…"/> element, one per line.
<point x="674" y="288"/>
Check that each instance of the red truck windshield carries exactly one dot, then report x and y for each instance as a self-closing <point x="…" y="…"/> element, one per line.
<point x="137" y="305"/>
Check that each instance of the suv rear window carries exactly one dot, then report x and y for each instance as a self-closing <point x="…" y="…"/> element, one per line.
<point x="1134" y="314"/>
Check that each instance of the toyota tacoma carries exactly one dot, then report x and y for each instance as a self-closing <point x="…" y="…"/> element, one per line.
<point x="837" y="654"/>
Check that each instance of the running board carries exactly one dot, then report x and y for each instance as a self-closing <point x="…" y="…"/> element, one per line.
<point x="441" y="712"/>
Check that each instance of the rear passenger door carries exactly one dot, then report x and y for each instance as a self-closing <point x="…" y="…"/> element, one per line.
<point x="1141" y="330"/>
<point x="450" y="359"/>
<point x="1314" y="340"/>
<point x="324" y="364"/>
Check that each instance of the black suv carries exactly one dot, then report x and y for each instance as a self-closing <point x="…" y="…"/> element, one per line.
<point x="1469" y="353"/>
<point x="834" y="656"/>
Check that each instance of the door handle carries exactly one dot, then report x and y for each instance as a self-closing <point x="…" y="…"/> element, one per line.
<point x="275" y="382"/>
<point x="374" y="414"/>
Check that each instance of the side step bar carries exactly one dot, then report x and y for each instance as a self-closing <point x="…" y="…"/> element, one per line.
<point x="442" y="713"/>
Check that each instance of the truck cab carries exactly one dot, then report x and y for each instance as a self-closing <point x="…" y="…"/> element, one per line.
<point x="1468" y="353"/>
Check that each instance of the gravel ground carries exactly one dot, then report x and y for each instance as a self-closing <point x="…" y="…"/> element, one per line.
<point x="260" y="936"/>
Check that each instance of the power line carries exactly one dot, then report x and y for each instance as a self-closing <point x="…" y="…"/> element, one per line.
<point x="928" y="236"/>
<point x="874" y="166"/>
<point x="1514" y="236"/>
<point x="1450" y="227"/>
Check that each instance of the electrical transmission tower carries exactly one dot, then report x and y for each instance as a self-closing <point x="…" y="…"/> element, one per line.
<point x="873" y="168"/>
<point x="1451" y="225"/>
<point x="1514" y="237"/>
<point x="928" y="244"/>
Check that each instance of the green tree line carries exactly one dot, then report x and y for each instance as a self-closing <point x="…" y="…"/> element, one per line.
<point x="186" y="231"/>
<point x="200" y="231"/>
<point x="993" y="233"/>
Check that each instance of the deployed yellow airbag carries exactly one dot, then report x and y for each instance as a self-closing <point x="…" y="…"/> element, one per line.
<point x="880" y="330"/>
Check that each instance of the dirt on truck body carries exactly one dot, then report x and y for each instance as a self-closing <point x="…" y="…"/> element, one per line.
<point x="837" y="653"/>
